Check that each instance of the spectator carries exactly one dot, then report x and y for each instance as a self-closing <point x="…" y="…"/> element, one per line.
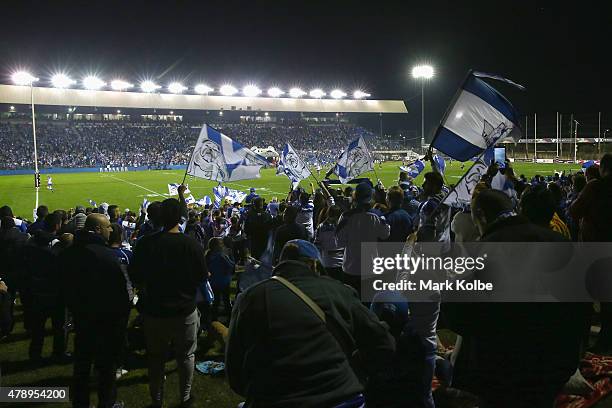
<point x="326" y="241"/>
<point x="257" y="227"/>
<point x="41" y="212"/>
<point x="221" y="269"/>
<point x="42" y="288"/>
<point x="96" y="293"/>
<point x="399" y="220"/>
<point x="288" y="231"/>
<point x="356" y="226"/>
<point x="169" y="267"/>
<point x="304" y="364"/>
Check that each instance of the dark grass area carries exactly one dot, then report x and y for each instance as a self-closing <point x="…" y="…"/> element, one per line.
<point x="132" y="388"/>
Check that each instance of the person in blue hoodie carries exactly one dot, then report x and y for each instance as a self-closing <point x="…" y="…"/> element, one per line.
<point x="221" y="268"/>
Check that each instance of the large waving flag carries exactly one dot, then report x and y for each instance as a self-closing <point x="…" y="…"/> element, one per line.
<point x="478" y="118"/>
<point x="219" y="192"/>
<point x="217" y="157"/>
<point x="354" y="161"/>
<point x="440" y="163"/>
<point x="292" y="165"/>
<point x="204" y="201"/>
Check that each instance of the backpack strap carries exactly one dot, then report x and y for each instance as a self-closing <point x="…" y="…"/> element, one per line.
<point x="298" y="292"/>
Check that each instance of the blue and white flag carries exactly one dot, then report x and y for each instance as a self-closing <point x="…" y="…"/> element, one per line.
<point x="354" y="161"/>
<point x="461" y="195"/>
<point x="235" y="196"/>
<point x="292" y="166"/>
<point x="440" y="163"/>
<point x="219" y="192"/>
<point x="93" y="203"/>
<point x="173" y="189"/>
<point x="414" y="169"/>
<point x="204" y="201"/>
<point x="479" y="118"/>
<point x="145" y="204"/>
<point x="218" y="157"/>
<point x="190" y="199"/>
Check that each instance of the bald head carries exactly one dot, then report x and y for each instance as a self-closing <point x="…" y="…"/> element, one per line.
<point x="99" y="225"/>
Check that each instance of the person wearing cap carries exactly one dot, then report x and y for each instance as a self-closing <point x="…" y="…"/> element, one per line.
<point x="433" y="216"/>
<point x="77" y="222"/>
<point x="356" y="226"/>
<point x="281" y="354"/>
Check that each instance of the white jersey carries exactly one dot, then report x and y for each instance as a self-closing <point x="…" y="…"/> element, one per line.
<point x="49" y="181"/>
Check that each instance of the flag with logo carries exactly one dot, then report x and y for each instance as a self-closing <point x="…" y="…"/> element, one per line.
<point x="292" y="165"/>
<point x="354" y="161"/>
<point x="465" y="131"/>
<point x="173" y="189"/>
<point x="218" y="157"/>
<point x="190" y="199"/>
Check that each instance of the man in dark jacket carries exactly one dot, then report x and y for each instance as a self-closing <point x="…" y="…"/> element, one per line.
<point x="169" y="268"/>
<point x="41" y="213"/>
<point x="257" y="227"/>
<point x="288" y="231"/>
<point x="96" y="293"/>
<point x="281" y="354"/>
<point x="11" y="242"/>
<point x="398" y="219"/>
<point x="41" y="286"/>
<point x="514" y="354"/>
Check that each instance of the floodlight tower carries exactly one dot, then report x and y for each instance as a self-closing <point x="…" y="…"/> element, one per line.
<point x="23" y="78"/>
<point x="423" y="73"/>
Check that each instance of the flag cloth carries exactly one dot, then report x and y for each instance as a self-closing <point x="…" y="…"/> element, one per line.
<point x="145" y="204"/>
<point x="354" y="161"/>
<point x="204" y="201"/>
<point x="93" y="203"/>
<point x="461" y="195"/>
<point x="190" y="199"/>
<point x="218" y="157"/>
<point x="414" y="169"/>
<point x="292" y="165"/>
<point x="219" y="192"/>
<point x="173" y="189"/>
<point x="235" y="196"/>
<point x="440" y="163"/>
<point x="479" y="118"/>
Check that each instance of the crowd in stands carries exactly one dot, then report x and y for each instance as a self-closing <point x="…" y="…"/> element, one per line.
<point x="127" y="144"/>
<point x="299" y="334"/>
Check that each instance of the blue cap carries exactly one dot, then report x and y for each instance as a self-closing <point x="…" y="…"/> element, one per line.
<point x="363" y="193"/>
<point x="305" y="249"/>
<point x="252" y="189"/>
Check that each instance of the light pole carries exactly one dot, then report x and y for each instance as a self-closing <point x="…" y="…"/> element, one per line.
<point x="423" y="73"/>
<point x="23" y="78"/>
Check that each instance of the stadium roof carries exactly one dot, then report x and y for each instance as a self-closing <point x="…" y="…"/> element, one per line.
<point x="14" y="94"/>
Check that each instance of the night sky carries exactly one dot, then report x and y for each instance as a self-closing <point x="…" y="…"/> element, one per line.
<point x="561" y="53"/>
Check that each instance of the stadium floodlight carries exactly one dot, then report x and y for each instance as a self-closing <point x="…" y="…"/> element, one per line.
<point x="202" y="89"/>
<point x="121" y="85"/>
<point x="275" y="92"/>
<point x="359" y="94"/>
<point x="337" y="94"/>
<point x="118" y="110"/>
<point x="23" y="78"/>
<point x="317" y="93"/>
<point x="296" y="93"/>
<point x="228" y="90"/>
<point x="422" y="72"/>
<point x="62" y="81"/>
<point x="176" y="88"/>
<point x="251" y="91"/>
<point x="149" y="86"/>
<point x="93" y="83"/>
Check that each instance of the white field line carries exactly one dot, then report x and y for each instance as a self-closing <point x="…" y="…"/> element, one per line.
<point x="138" y="185"/>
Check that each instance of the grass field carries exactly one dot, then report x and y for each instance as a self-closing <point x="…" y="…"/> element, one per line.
<point x="129" y="188"/>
